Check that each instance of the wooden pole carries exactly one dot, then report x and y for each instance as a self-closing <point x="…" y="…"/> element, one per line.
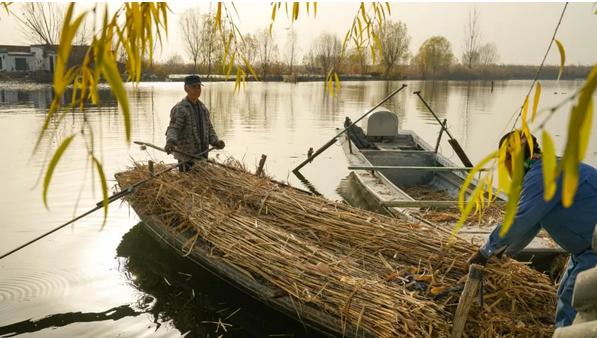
<point x="333" y="140"/>
<point x="455" y="145"/>
<point x="259" y="171"/>
<point x="475" y="273"/>
<point x="439" y="137"/>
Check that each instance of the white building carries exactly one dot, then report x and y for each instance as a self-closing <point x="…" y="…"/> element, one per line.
<point x="27" y="58"/>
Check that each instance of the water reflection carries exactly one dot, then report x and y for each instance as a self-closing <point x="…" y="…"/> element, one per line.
<point x="435" y="93"/>
<point x="196" y="302"/>
<point x="41" y="96"/>
<point x="63" y="319"/>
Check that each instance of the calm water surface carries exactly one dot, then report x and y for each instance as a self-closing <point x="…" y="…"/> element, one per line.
<point x="113" y="280"/>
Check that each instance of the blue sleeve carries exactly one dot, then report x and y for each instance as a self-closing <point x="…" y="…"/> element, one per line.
<point x="530" y="211"/>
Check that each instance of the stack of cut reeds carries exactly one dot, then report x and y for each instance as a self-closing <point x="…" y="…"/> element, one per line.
<point x="378" y="273"/>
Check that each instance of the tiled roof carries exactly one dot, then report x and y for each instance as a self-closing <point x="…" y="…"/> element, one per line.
<point x="13" y="49"/>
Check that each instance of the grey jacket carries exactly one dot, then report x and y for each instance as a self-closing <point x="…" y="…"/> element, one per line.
<point x="184" y="131"/>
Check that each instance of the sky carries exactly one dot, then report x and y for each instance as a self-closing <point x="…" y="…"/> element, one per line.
<point x="521" y="31"/>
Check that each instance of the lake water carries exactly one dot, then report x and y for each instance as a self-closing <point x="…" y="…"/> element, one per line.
<point x="90" y="280"/>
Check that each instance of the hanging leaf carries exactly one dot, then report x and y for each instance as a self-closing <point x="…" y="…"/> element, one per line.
<point x="549" y="167"/>
<point x="572" y="155"/>
<point x="536" y="100"/>
<point x="467" y="210"/>
<point x="584" y="133"/>
<point x="464" y="188"/>
<point x="104" y="184"/>
<point x="504" y="179"/>
<point x="517" y="156"/>
<point x="525" y="125"/>
<point x="562" y="57"/>
<point x="110" y="72"/>
<point x="52" y="166"/>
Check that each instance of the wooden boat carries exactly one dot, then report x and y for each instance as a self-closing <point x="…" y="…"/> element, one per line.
<point x="397" y="172"/>
<point x="268" y="294"/>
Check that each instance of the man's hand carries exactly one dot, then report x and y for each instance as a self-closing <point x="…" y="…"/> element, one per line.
<point x="220" y="144"/>
<point x="170" y="147"/>
<point x="477" y="258"/>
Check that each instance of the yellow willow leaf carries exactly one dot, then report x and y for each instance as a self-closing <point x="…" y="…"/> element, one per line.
<point x="471" y="175"/>
<point x="337" y="80"/>
<point x="562" y="57"/>
<point x="584" y="133"/>
<point x="388" y="8"/>
<point x="515" y="188"/>
<point x="274" y="12"/>
<point x="104" y="184"/>
<point x="572" y="156"/>
<point x="295" y="10"/>
<point x="536" y="100"/>
<point x="219" y="15"/>
<point x="377" y="42"/>
<point x="466" y="211"/>
<point x="110" y="72"/>
<point x="489" y="183"/>
<point x="363" y="14"/>
<point x="53" y="162"/>
<point x="525" y="124"/>
<point x="549" y="167"/>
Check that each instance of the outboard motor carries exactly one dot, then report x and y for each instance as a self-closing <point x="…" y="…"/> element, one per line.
<point x="381" y="125"/>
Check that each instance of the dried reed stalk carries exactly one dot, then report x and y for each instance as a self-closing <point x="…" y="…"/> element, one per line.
<point x="365" y="268"/>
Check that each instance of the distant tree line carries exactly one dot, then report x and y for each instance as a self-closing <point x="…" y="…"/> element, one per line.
<point x="204" y="50"/>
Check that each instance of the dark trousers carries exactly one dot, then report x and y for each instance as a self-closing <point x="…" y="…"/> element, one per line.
<point x="185" y="166"/>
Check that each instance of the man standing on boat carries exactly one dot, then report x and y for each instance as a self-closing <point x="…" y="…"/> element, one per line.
<point x="572" y="228"/>
<point x="190" y="130"/>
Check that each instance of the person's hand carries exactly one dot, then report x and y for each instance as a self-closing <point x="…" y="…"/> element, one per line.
<point x="170" y="147"/>
<point x="477" y="258"/>
<point x="220" y="144"/>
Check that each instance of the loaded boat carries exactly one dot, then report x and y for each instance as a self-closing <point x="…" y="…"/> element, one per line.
<point x="395" y="171"/>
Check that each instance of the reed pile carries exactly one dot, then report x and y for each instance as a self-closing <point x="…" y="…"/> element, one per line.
<point x="490" y="216"/>
<point x="381" y="274"/>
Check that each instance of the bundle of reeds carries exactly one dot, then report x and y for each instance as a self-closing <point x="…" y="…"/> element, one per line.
<point x="490" y="215"/>
<point x="384" y="275"/>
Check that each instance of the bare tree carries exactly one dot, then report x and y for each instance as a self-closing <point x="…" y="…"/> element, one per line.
<point x="472" y="38"/>
<point x="394" y="41"/>
<point x="190" y="24"/>
<point x="267" y="50"/>
<point x="42" y="22"/>
<point x="250" y="47"/>
<point x="210" y="42"/>
<point x="291" y="49"/>
<point x="488" y="54"/>
<point x="84" y="34"/>
<point x="326" y="52"/>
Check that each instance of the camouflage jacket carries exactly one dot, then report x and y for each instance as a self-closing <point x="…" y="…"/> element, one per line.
<point x="184" y="129"/>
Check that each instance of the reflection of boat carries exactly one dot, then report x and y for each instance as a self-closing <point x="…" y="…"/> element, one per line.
<point x="203" y="255"/>
<point x="397" y="172"/>
<point x="194" y="301"/>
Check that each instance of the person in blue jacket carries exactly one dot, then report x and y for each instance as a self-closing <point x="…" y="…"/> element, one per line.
<point x="572" y="228"/>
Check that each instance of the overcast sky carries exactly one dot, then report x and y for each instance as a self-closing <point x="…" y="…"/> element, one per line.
<point x="521" y="31"/>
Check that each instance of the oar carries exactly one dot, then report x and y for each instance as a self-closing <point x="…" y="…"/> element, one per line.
<point x="117" y="196"/>
<point x="333" y="140"/>
<point x="455" y="145"/>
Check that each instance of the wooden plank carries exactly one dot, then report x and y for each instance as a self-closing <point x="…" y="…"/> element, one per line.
<point x="466" y="299"/>
<point x="419" y="204"/>
<point x="401" y="167"/>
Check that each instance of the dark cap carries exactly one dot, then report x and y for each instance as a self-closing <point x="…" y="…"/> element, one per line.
<point x="191" y="80"/>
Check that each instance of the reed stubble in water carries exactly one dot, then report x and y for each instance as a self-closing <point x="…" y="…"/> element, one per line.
<point x="378" y="273"/>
